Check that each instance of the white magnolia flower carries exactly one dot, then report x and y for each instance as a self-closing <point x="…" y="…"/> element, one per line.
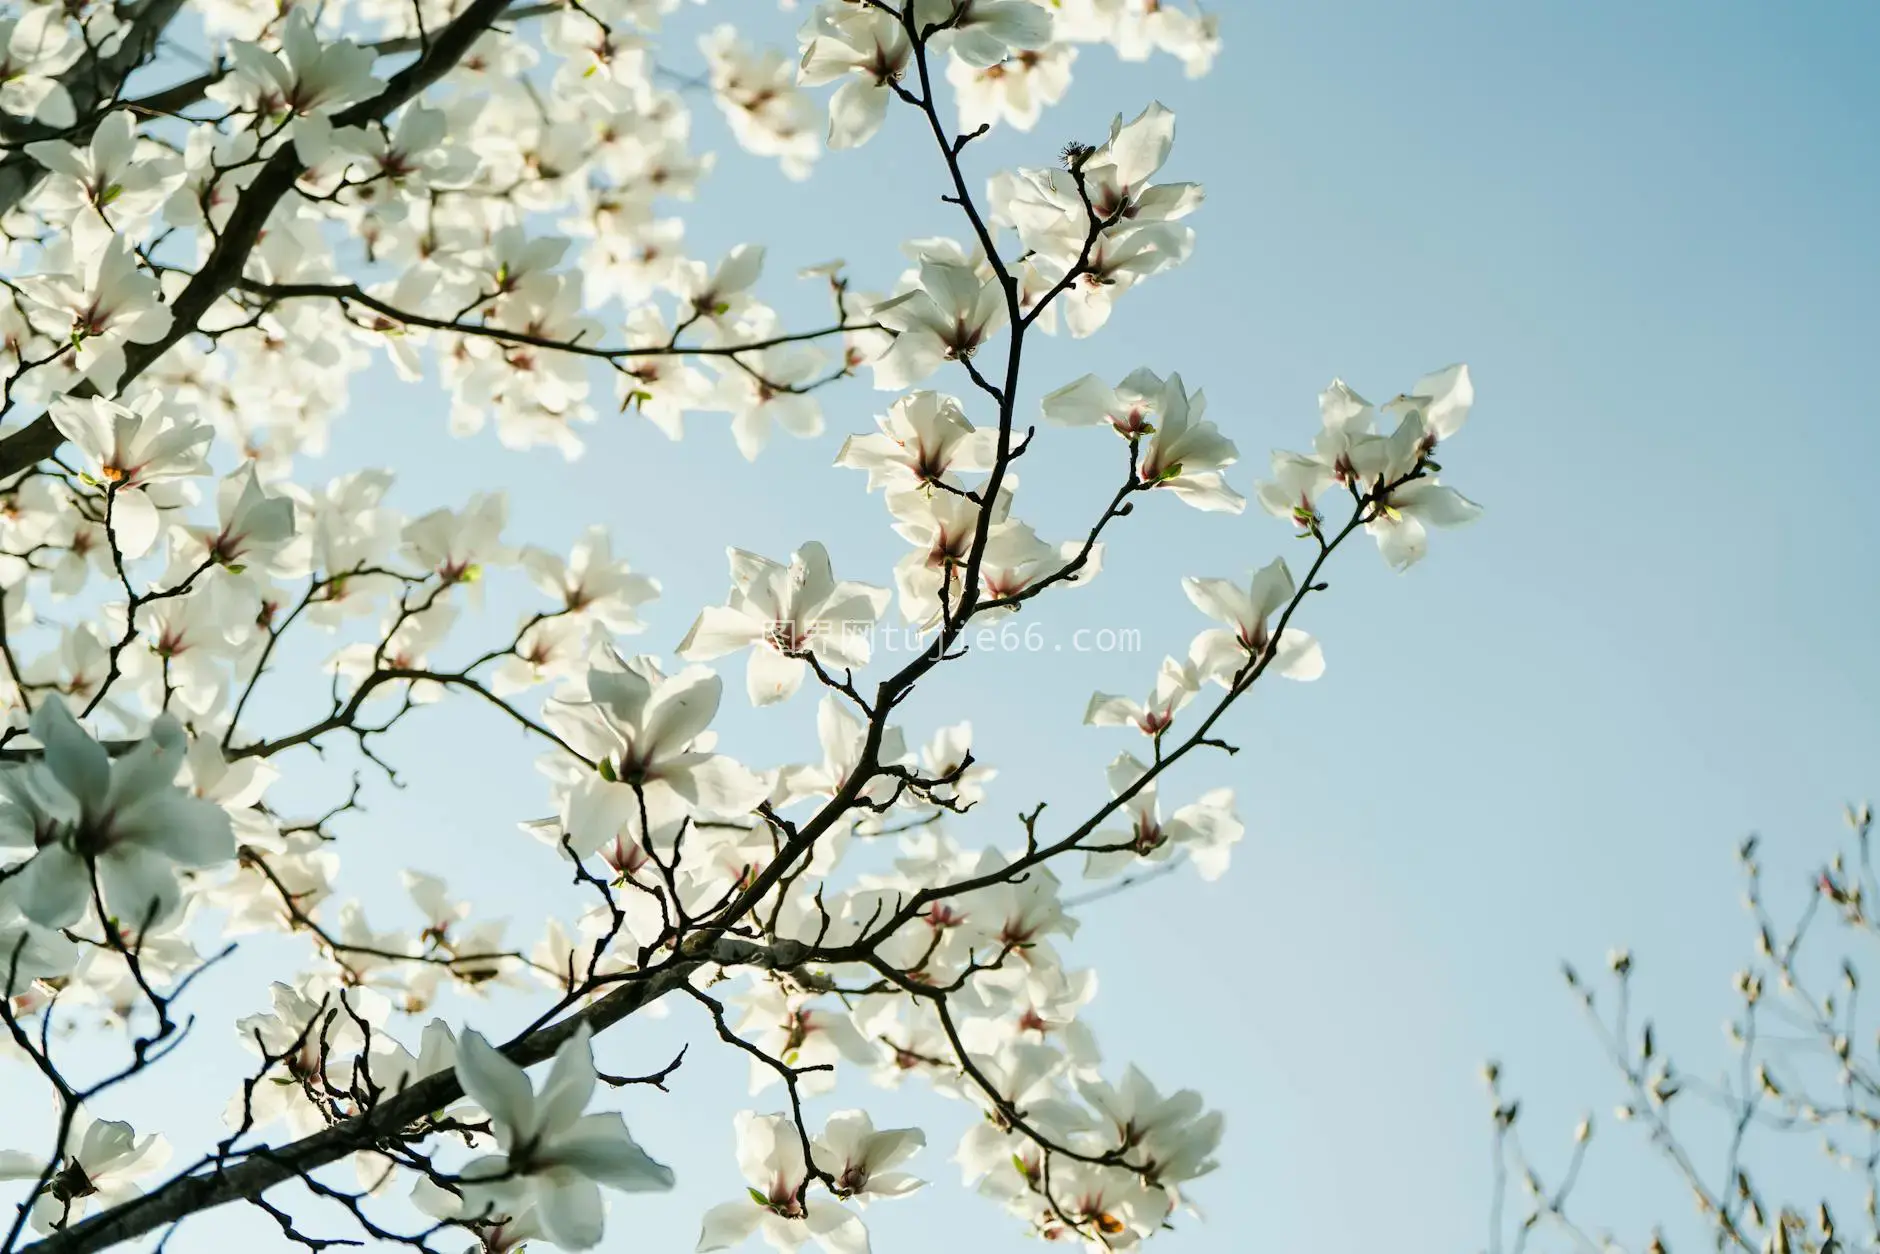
<point x="941" y="527"/>
<point x="943" y="758"/>
<point x="924" y="437"/>
<point x="407" y="647"/>
<point x="1221" y="655"/>
<point x="1405" y="514"/>
<point x="307" y="80"/>
<point x="1117" y="174"/>
<point x="103" y="1159"/>
<point x="497" y="1232"/>
<point x="591" y="582"/>
<point x="869" y="50"/>
<point x="722" y="295"/>
<point x="253" y="525"/>
<point x="1206" y="831"/>
<point x="985" y="32"/>
<point x="547" y="650"/>
<point x="770" y="1154"/>
<point x="458" y="544"/>
<point x="124" y="821"/>
<point x="1172" y="1137"/>
<point x="1395" y="471"/>
<point x="946" y="318"/>
<point x="782" y="613"/>
<point x="1089" y="401"/>
<point x="843" y="736"/>
<point x="861" y="1158"/>
<point x="1140" y="233"/>
<point x="1015" y="91"/>
<point x="756" y="92"/>
<point x="648" y="732"/>
<point x="554" y="1157"/>
<point x="35" y="48"/>
<point x="772" y="386"/>
<point x="1185" y="453"/>
<point x="1442" y="399"/>
<point x="107" y="302"/>
<point x="108" y="174"/>
<point x="1175" y="685"/>
<point x="313" y="1034"/>
<point x="800" y="1030"/>
<point x="130" y="449"/>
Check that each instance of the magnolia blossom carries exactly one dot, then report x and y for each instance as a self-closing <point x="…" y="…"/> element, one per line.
<point x="1224" y="655"/>
<point x="1393" y="471"/>
<point x="774" y="385"/>
<point x="108" y="174"/>
<point x="1089" y="401"/>
<point x="801" y="1032"/>
<point x="942" y="527"/>
<point x="1185" y="453"/>
<point x="647" y="734"/>
<point x="1138" y="233"/>
<point x="554" y="1158"/>
<point x="1175" y="685"/>
<point x="106" y="301"/>
<point x="985" y="32"/>
<point x="1442" y="399"/>
<point x="1171" y="1139"/>
<point x="861" y="1159"/>
<point x="592" y="582"/>
<point x="547" y="650"/>
<point x="843" y="738"/>
<point x="944" y="757"/>
<point x="868" y="50"/>
<point x="123" y="821"/>
<point x="253" y="525"/>
<point x="129" y="449"/>
<point x="307" y="80"/>
<point x="458" y="544"/>
<point x="923" y="439"/>
<point x="770" y="1154"/>
<point x="946" y="318"/>
<point x="315" y="1035"/>
<point x="1015" y="91"/>
<point x="38" y="48"/>
<point x="722" y="295"/>
<point x="497" y="1232"/>
<point x="1404" y="515"/>
<point x="759" y="100"/>
<point x="102" y="1161"/>
<point x="1206" y="830"/>
<point x="783" y="614"/>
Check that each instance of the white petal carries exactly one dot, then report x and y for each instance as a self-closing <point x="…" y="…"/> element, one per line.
<point x="727" y="1224"/>
<point x="571" y="1211"/>
<point x="497" y="1085"/>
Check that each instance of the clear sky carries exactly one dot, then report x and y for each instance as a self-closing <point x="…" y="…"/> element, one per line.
<point x="1649" y="230"/>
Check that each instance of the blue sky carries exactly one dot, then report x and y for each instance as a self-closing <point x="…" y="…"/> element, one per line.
<point x="1649" y="231"/>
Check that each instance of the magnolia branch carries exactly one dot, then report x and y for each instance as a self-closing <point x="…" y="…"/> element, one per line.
<point x="350" y="294"/>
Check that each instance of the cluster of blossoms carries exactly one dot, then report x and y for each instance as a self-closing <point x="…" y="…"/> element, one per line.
<point x="208" y="266"/>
